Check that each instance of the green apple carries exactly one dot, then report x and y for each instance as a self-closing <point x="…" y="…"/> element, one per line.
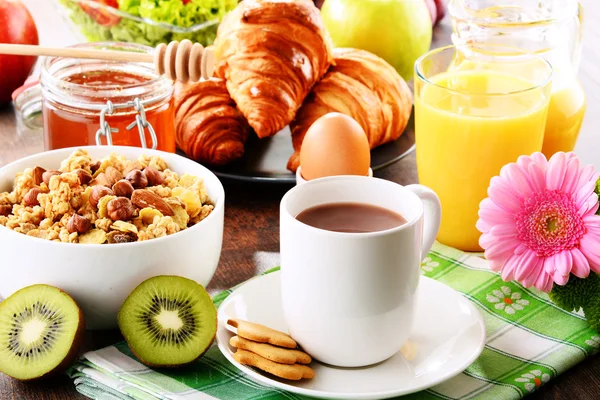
<point x="399" y="31"/>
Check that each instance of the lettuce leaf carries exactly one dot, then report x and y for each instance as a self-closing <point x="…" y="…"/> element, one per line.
<point x="172" y="12"/>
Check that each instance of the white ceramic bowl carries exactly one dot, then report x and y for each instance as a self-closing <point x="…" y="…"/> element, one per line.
<point x="300" y="179"/>
<point x="100" y="277"/>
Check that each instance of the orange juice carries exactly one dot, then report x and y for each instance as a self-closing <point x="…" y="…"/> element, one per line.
<point x="468" y="125"/>
<point x="565" y="115"/>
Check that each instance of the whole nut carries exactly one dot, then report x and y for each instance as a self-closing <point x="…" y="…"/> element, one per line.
<point x="99" y="192"/>
<point x="120" y="209"/>
<point x="49" y="174"/>
<point x="143" y="198"/>
<point x="95" y="166"/>
<point x="131" y="165"/>
<point x="83" y="176"/>
<point x="30" y="199"/>
<point x="78" y="224"/>
<point x="154" y="176"/>
<point x="101" y="180"/>
<point x="112" y="175"/>
<point x="137" y="179"/>
<point x="38" y="175"/>
<point x="123" y="188"/>
<point x="5" y="210"/>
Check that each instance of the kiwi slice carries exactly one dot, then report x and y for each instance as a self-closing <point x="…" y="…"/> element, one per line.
<point x="41" y="328"/>
<point x="168" y="321"/>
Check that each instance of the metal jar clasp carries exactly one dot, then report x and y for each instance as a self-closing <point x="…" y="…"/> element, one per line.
<point x="140" y="121"/>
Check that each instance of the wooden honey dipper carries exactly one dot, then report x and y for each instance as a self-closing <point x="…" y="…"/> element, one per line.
<point x="183" y="61"/>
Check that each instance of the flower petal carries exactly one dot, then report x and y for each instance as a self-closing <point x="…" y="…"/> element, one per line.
<point x="564" y="264"/>
<point x="515" y="296"/>
<point x="509" y="310"/>
<point x="525" y="263"/>
<point x="540" y="160"/>
<point x="501" y="250"/>
<point x="589" y="245"/>
<point x="581" y="266"/>
<point x="557" y="167"/>
<point x="520" y="180"/>
<point x="537" y="177"/>
<point x="505" y="290"/>
<point x="492" y="299"/>
<point x="560" y="279"/>
<point x="537" y="372"/>
<point x="544" y="282"/>
<point x="586" y="175"/>
<point x="550" y="264"/>
<point x="504" y="198"/>
<point x="517" y="306"/>
<point x="536" y="270"/>
<point x="571" y="176"/>
<point x="584" y="193"/>
<point x="499" y="306"/>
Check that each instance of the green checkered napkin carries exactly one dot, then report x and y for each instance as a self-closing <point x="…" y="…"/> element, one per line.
<point x="529" y="342"/>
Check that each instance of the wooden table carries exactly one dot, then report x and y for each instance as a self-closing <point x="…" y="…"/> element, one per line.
<point x="252" y="211"/>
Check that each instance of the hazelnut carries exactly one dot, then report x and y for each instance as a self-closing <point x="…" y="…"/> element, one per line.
<point x="120" y="209"/>
<point x="154" y="176"/>
<point x="137" y="178"/>
<point x="99" y="192"/>
<point x="112" y="175"/>
<point x="38" y="175"/>
<point x="5" y="210"/>
<point x="78" y="224"/>
<point x="83" y="176"/>
<point x="123" y="188"/>
<point x="101" y="180"/>
<point x="30" y="199"/>
<point x="49" y="174"/>
<point x="95" y="166"/>
<point x="131" y="165"/>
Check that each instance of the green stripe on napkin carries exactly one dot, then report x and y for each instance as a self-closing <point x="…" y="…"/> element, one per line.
<point x="529" y="342"/>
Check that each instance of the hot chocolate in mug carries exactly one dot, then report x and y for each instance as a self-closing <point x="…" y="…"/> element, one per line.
<point x="349" y="298"/>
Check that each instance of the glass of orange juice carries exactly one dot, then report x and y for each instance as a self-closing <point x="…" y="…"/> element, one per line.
<point x="477" y="108"/>
<point x="551" y="29"/>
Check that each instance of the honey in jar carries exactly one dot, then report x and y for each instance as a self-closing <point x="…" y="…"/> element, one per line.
<point x="134" y="102"/>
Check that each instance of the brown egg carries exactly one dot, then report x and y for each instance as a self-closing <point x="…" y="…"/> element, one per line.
<point x="335" y="144"/>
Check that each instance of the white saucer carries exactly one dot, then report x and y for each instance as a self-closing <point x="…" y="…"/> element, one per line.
<point x="449" y="335"/>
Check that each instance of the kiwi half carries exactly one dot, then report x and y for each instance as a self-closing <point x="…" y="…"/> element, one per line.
<point x="41" y="328"/>
<point x="168" y="321"/>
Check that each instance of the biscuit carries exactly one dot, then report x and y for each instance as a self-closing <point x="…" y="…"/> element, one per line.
<point x="292" y="372"/>
<point x="409" y="350"/>
<point x="270" y="352"/>
<point x="262" y="334"/>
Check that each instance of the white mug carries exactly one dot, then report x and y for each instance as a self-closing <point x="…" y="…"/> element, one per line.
<point x="349" y="298"/>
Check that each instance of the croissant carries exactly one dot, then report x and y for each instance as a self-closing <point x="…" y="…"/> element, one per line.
<point x="271" y="53"/>
<point x="360" y="85"/>
<point x="208" y="126"/>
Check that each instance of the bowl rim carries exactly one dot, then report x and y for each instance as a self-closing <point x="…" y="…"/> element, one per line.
<point x="218" y="205"/>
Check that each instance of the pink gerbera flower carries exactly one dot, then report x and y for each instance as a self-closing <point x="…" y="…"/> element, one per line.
<point x="539" y="223"/>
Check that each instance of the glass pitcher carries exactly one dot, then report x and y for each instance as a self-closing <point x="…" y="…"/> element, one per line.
<point x="550" y="28"/>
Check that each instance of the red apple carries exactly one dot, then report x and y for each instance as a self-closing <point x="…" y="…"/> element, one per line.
<point x="100" y="14"/>
<point x="17" y="28"/>
<point x="441" y="9"/>
<point x="432" y="11"/>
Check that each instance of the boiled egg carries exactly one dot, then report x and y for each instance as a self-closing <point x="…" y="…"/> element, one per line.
<point x="335" y="144"/>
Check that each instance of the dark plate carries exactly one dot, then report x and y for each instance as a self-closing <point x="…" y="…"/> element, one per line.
<point x="265" y="160"/>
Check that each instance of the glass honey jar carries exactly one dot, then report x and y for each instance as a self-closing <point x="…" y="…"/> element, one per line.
<point x="97" y="102"/>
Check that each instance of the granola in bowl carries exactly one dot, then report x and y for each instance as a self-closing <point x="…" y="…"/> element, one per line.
<point x="110" y="200"/>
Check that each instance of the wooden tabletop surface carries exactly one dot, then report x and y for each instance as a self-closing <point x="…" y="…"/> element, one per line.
<point x="252" y="211"/>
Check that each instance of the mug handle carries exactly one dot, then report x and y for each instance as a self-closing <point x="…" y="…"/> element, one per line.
<point x="432" y="215"/>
